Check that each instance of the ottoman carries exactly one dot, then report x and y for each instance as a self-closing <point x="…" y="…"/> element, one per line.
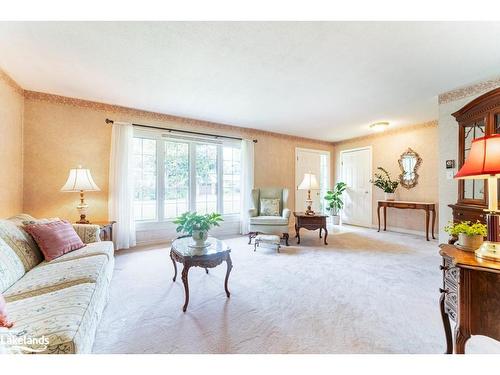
<point x="269" y="239"/>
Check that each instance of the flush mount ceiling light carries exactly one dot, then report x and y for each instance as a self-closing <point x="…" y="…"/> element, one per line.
<point x="379" y="126"/>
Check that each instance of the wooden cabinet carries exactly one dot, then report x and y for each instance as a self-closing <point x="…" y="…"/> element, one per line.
<point x="478" y="118"/>
<point x="470" y="297"/>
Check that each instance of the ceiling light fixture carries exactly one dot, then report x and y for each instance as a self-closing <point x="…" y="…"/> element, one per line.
<point x="379" y="126"/>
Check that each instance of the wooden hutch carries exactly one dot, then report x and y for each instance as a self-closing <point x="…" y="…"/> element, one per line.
<point x="478" y="118"/>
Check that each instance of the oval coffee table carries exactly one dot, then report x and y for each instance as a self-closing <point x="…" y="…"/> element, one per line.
<point x="209" y="257"/>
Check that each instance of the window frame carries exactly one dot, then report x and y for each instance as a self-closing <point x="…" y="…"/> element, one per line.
<point x="162" y="137"/>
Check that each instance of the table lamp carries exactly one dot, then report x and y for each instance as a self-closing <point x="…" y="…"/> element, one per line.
<point x="80" y="180"/>
<point x="309" y="182"/>
<point x="483" y="162"/>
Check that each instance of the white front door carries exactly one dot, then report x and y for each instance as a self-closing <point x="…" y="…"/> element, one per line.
<point x="317" y="163"/>
<point x="356" y="172"/>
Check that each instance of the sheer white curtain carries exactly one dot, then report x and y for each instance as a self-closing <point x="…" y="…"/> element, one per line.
<point x="247" y="164"/>
<point x="121" y="185"/>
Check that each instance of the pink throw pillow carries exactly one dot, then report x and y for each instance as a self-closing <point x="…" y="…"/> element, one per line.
<point x="55" y="238"/>
<point x="4" y="322"/>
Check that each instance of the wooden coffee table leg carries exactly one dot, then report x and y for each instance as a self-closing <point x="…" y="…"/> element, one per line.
<point x="184" y="276"/>
<point x="320" y="229"/>
<point x="229" y="268"/>
<point x="297" y="234"/>
<point x="175" y="267"/>
<point x="326" y="235"/>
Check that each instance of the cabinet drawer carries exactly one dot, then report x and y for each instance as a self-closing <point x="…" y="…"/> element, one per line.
<point x="311" y="220"/>
<point x="403" y="205"/>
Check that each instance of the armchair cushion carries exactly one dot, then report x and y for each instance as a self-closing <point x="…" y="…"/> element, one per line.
<point x="269" y="220"/>
<point x="270" y="207"/>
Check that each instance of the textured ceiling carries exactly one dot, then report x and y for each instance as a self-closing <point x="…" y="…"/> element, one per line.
<point x="325" y="80"/>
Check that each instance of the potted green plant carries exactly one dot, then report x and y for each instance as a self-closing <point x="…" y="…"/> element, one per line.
<point x="335" y="202"/>
<point x="197" y="225"/>
<point x="383" y="181"/>
<point x="470" y="236"/>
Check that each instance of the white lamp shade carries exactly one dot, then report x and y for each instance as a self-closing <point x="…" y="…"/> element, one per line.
<point x="309" y="182"/>
<point x="80" y="179"/>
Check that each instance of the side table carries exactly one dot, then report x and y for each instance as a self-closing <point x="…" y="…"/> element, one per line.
<point x="310" y="222"/>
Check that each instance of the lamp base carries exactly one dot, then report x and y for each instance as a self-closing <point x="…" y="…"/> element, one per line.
<point x="489" y="250"/>
<point x="309" y="211"/>
<point x="83" y="220"/>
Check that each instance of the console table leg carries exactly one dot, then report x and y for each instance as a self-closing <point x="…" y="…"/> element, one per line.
<point x="175" y="267"/>
<point x="446" y="325"/>
<point x="184" y="276"/>
<point x="433" y="223"/>
<point x="297" y="234"/>
<point x="378" y="216"/>
<point x="326" y="235"/>
<point x="229" y="268"/>
<point x="320" y="229"/>
<point x="427" y="224"/>
<point x="385" y="218"/>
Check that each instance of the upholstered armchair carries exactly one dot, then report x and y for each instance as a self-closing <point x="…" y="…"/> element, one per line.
<point x="260" y="219"/>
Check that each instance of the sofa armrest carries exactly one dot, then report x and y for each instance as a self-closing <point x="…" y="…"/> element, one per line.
<point x="252" y="212"/>
<point x="88" y="232"/>
<point x="286" y="213"/>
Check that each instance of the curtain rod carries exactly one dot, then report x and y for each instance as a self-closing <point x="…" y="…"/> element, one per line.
<point x="108" y="121"/>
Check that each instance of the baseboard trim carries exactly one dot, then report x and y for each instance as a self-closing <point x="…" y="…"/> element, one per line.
<point x="403" y="230"/>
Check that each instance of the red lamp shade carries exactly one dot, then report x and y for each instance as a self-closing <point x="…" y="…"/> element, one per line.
<point x="483" y="160"/>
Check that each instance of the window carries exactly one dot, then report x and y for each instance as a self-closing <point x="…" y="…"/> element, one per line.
<point x="144" y="160"/>
<point x="206" y="178"/>
<point x="175" y="175"/>
<point x="176" y="178"/>
<point x="231" y="160"/>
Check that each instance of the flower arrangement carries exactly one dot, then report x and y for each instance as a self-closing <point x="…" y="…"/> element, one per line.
<point x="383" y="181"/>
<point x="466" y="228"/>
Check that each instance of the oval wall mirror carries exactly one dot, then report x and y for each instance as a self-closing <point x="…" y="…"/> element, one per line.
<point x="409" y="163"/>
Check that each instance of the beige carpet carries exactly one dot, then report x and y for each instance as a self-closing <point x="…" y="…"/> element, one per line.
<point x="366" y="292"/>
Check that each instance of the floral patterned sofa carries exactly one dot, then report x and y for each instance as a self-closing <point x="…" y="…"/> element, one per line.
<point x="61" y="301"/>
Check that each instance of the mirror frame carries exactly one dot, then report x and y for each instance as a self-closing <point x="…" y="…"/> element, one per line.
<point x="414" y="182"/>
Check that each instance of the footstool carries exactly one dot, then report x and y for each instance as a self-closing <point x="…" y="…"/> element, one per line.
<point x="269" y="239"/>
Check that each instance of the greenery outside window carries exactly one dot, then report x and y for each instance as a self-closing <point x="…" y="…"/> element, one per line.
<point x="175" y="174"/>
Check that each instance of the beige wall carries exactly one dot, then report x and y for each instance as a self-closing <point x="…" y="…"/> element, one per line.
<point x="11" y="146"/>
<point x="61" y="133"/>
<point x="449" y="103"/>
<point x="387" y="148"/>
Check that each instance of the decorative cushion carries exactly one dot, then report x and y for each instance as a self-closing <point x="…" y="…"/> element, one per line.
<point x="55" y="238"/>
<point x="39" y="221"/>
<point x="270" y="207"/>
<point x="11" y="267"/>
<point x="88" y="232"/>
<point x="21" y="242"/>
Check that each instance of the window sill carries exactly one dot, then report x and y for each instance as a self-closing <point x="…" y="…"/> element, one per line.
<point x="142" y="226"/>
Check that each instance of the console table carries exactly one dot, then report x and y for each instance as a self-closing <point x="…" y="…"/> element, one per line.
<point x="427" y="207"/>
<point x="470" y="297"/>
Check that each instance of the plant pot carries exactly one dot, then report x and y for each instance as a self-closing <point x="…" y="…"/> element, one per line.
<point x="390" y="196"/>
<point x="469" y="243"/>
<point x="335" y="219"/>
<point x="199" y="237"/>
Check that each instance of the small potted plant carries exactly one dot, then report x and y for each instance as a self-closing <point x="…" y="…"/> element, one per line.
<point x="197" y="225"/>
<point x="470" y="236"/>
<point x="383" y="181"/>
<point x="335" y="202"/>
